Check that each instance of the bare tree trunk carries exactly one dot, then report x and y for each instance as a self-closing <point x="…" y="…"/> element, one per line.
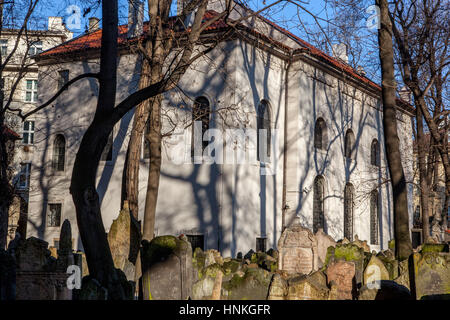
<point x="135" y="144"/>
<point x="82" y="188"/>
<point x="403" y="245"/>
<point x="423" y="177"/>
<point x="154" y="172"/>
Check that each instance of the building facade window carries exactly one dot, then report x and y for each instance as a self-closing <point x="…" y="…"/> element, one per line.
<point x="108" y="150"/>
<point x="349" y="192"/>
<point x="200" y="112"/>
<point x="263" y="134"/>
<point x="35" y="48"/>
<point x="261" y="244"/>
<point x="320" y="134"/>
<point x="24" y="176"/>
<point x="28" y="132"/>
<point x="54" y="215"/>
<point x="63" y="78"/>
<point x="374" y="216"/>
<point x="59" y="151"/>
<point x="375" y="153"/>
<point x="349" y="145"/>
<point x="31" y="93"/>
<point x="3" y="48"/>
<point x="197" y="241"/>
<point x="318" y="204"/>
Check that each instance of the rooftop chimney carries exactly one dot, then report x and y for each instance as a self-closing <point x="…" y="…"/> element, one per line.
<point x="56" y="24"/>
<point x="405" y="94"/>
<point x="94" y="24"/>
<point x="340" y="52"/>
<point x="135" y="18"/>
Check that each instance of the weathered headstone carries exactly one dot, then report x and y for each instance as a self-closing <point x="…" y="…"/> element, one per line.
<point x="323" y="242"/>
<point x="203" y="289"/>
<point x="124" y="237"/>
<point x="361" y="244"/>
<point x="297" y="250"/>
<point x="32" y="254"/>
<point x="65" y="255"/>
<point x="342" y="273"/>
<point x="167" y="268"/>
<point x="432" y="274"/>
<point x="350" y="253"/>
<point x="252" y="285"/>
<point x="278" y="289"/>
<point x="311" y="287"/>
<point x="375" y="271"/>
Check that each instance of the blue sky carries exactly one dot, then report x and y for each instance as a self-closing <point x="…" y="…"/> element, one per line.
<point x="280" y="13"/>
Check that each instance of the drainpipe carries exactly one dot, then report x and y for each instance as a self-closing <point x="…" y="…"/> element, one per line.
<point x="285" y="144"/>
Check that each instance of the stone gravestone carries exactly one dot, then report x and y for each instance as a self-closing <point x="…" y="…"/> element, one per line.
<point x="324" y="241"/>
<point x="311" y="287"/>
<point x="167" y="268"/>
<point x="432" y="275"/>
<point x="375" y="271"/>
<point x="124" y="237"/>
<point x="65" y="255"/>
<point x="37" y="277"/>
<point x="297" y="250"/>
<point x="342" y="273"/>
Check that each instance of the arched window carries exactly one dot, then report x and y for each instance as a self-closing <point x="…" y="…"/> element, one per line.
<point x="349" y="146"/>
<point x="374" y="214"/>
<point x="200" y="112"/>
<point x="318" y="204"/>
<point x="320" y="134"/>
<point x="59" y="151"/>
<point x="348" y="211"/>
<point x="263" y="123"/>
<point x="375" y="153"/>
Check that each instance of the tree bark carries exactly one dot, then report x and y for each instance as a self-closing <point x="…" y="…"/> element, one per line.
<point x="135" y="144"/>
<point x="403" y="247"/>
<point x="423" y="177"/>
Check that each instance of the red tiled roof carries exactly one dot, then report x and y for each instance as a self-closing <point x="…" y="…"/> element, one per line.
<point x="10" y="133"/>
<point x="93" y="40"/>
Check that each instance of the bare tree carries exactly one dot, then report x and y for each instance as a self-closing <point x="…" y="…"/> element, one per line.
<point x="403" y="246"/>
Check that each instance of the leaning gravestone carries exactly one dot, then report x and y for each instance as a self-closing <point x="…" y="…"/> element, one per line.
<point x="297" y="250"/>
<point x="124" y="237"/>
<point x="166" y="268"/>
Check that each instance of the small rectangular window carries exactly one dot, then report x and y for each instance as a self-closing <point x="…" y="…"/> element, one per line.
<point x="31" y="90"/>
<point x="54" y="215"/>
<point x="35" y="48"/>
<point x="261" y="244"/>
<point x="63" y="78"/>
<point x="28" y="132"/>
<point x="3" y="48"/>
<point x="197" y="241"/>
<point x="24" y="175"/>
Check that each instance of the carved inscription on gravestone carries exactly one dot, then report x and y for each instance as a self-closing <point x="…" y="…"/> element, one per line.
<point x="298" y="248"/>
